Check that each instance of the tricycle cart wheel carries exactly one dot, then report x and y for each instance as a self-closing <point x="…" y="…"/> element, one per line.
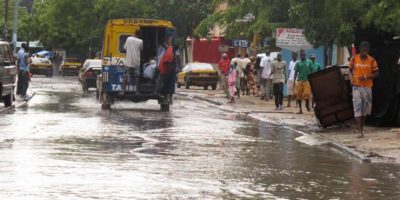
<point x="105" y="106"/>
<point x="164" y="107"/>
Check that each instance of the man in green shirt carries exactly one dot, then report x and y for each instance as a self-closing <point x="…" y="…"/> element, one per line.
<point x="303" y="91"/>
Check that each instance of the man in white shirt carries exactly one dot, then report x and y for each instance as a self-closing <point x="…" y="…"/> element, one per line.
<point x="291" y="81"/>
<point x="133" y="47"/>
<point x="266" y="75"/>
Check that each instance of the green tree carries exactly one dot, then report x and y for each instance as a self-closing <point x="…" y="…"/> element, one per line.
<point x="238" y="18"/>
<point x="24" y="20"/>
<point x="76" y="25"/>
<point x="185" y="15"/>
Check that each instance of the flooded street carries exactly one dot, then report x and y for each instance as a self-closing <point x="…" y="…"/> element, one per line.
<point x="63" y="146"/>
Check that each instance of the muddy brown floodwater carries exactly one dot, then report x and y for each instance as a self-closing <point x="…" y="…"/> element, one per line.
<point x="62" y="146"/>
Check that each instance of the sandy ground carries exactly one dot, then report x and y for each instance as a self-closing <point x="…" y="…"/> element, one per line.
<point x="379" y="144"/>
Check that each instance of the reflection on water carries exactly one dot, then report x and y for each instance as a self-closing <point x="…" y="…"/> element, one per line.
<point x="197" y="152"/>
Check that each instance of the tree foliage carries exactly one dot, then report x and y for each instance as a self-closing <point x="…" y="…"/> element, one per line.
<point x="326" y="22"/>
<point x="77" y="25"/>
<point x="268" y="14"/>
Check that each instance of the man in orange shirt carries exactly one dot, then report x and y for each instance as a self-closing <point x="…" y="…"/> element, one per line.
<point x="364" y="69"/>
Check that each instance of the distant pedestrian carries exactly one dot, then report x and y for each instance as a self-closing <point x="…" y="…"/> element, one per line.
<point x="266" y="75"/>
<point x="364" y="69"/>
<point x="291" y="81"/>
<point x="223" y="66"/>
<point x="257" y="75"/>
<point x="23" y="71"/>
<point x="250" y="77"/>
<point x="315" y="67"/>
<point x="279" y="74"/>
<point x="233" y="74"/>
<point x="237" y="60"/>
<point x="245" y="73"/>
<point x="303" y="91"/>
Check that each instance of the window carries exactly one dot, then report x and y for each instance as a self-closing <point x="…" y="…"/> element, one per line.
<point x="4" y="54"/>
<point x="122" y="40"/>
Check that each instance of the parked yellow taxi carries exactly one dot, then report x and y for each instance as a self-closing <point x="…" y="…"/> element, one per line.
<point x="71" y="66"/>
<point x="198" y="74"/>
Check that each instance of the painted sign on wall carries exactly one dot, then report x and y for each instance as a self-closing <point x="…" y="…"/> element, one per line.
<point x="292" y="39"/>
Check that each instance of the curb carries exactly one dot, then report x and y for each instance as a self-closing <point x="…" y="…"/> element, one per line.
<point x="346" y="150"/>
<point x="13" y="107"/>
<point x="201" y="98"/>
<point x="334" y="145"/>
<point x="7" y="109"/>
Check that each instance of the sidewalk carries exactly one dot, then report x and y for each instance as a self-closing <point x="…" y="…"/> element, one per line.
<point x="378" y="145"/>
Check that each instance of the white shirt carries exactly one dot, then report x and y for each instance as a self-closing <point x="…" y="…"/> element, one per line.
<point x="242" y="66"/>
<point x="133" y="47"/>
<point x="292" y="65"/>
<point x="266" y="64"/>
<point x="237" y="60"/>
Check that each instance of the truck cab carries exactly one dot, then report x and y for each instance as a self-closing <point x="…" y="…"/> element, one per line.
<point x="114" y="83"/>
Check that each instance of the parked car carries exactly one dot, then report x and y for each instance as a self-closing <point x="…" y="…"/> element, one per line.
<point x="41" y="66"/>
<point x="70" y="66"/>
<point x="88" y="74"/>
<point x="8" y="74"/>
<point x="198" y="74"/>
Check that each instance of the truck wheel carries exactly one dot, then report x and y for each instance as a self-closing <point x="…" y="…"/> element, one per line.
<point x="164" y="107"/>
<point x="8" y="100"/>
<point x="105" y="106"/>
<point x="106" y="101"/>
<point x="206" y="87"/>
<point x="214" y="87"/>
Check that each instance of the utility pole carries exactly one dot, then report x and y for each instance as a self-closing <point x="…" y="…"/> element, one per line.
<point x="14" y="34"/>
<point x="6" y="21"/>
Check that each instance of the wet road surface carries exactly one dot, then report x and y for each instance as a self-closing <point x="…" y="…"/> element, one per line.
<point x="62" y="146"/>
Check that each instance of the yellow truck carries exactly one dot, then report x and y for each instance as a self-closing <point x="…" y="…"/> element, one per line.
<point x="114" y="83"/>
